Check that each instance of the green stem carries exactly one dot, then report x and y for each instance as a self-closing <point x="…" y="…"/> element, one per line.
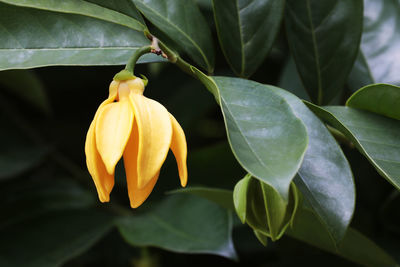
<point x="176" y="59"/>
<point x="130" y="66"/>
<point x="341" y="138"/>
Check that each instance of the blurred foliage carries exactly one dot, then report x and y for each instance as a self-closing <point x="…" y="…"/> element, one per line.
<point x="49" y="214"/>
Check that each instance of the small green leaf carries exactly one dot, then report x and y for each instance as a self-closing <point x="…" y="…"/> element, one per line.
<point x="240" y="197"/>
<point x="354" y="246"/>
<point x="267" y="138"/>
<point x="324" y="37"/>
<point x="325" y="177"/>
<point x="27" y="86"/>
<point x="182" y="223"/>
<point x="52" y="239"/>
<point x="247" y="30"/>
<point x="377" y="61"/>
<point x="375" y="136"/>
<point x="383" y="99"/>
<point x="91" y="8"/>
<point x="261" y="237"/>
<point x="35" y="38"/>
<point x="263" y="209"/>
<point x="185" y="25"/>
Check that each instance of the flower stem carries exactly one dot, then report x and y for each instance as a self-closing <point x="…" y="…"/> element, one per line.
<point x="130" y="66"/>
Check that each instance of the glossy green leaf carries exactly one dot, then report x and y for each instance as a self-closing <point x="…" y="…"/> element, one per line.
<point x="31" y="197"/>
<point x="354" y="246"/>
<point x="222" y="197"/>
<point x="52" y="239"/>
<point x="325" y="177"/>
<point x="100" y="9"/>
<point x="324" y="37"/>
<point x="247" y="30"/>
<point x="378" y="60"/>
<point x="375" y="136"/>
<point x="183" y="23"/>
<point x="182" y="223"/>
<point x="383" y="99"/>
<point x="27" y="86"/>
<point x="35" y="38"/>
<point x="267" y="138"/>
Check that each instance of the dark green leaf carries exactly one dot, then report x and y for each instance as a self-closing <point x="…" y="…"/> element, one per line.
<point x="267" y="138"/>
<point x="354" y="247"/>
<point x="33" y="38"/>
<point x="375" y="136"/>
<point x="99" y="9"/>
<point x="17" y="154"/>
<point x="377" y="61"/>
<point x="182" y="22"/>
<point x="182" y="223"/>
<point x="325" y="177"/>
<point x="27" y="86"/>
<point x="222" y="169"/>
<point x="52" y="239"/>
<point x="324" y="37"/>
<point x="247" y="30"/>
<point x="383" y="99"/>
<point x="290" y="81"/>
<point x="31" y="197"/>
<point x="222" y="197"/>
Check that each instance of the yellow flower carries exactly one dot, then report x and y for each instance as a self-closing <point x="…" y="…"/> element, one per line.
<point x="141" y="130"/>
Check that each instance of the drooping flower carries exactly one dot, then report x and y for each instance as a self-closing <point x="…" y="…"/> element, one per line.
<point x="141" y="130"/>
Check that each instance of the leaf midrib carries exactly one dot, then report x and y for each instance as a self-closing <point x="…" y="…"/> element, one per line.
<point x="316" y="54"/>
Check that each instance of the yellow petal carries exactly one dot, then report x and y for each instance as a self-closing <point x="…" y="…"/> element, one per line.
<point x="113" y="91"/>
<point x="155" y="133"/>
<point x="113" y="127"/>
<point x="136" y="196"/>
<point x="179" y="148"/>
<point x="104" y="182"/>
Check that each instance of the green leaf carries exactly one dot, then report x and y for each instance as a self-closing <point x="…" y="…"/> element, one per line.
<point x="325" y="177"/>
<point x="267" y="138"/>
<point x="27" y="86"/>
<point x="52" y="239"/>
<point x="324" y="37"/>
<point x="32" y="197"/>
<point x="377" y="61"/>
<point x="182" y="223"/>
<point x="222" y="197"/>
<point x="247" y="30"/>
<point x="35" y="38"/>
<point x="183" y="23"/>
<point x="91" y="8"/>
<point x="383" y="99"/>
<point x="354" y="246"/>
<point x="375" y="136"/>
